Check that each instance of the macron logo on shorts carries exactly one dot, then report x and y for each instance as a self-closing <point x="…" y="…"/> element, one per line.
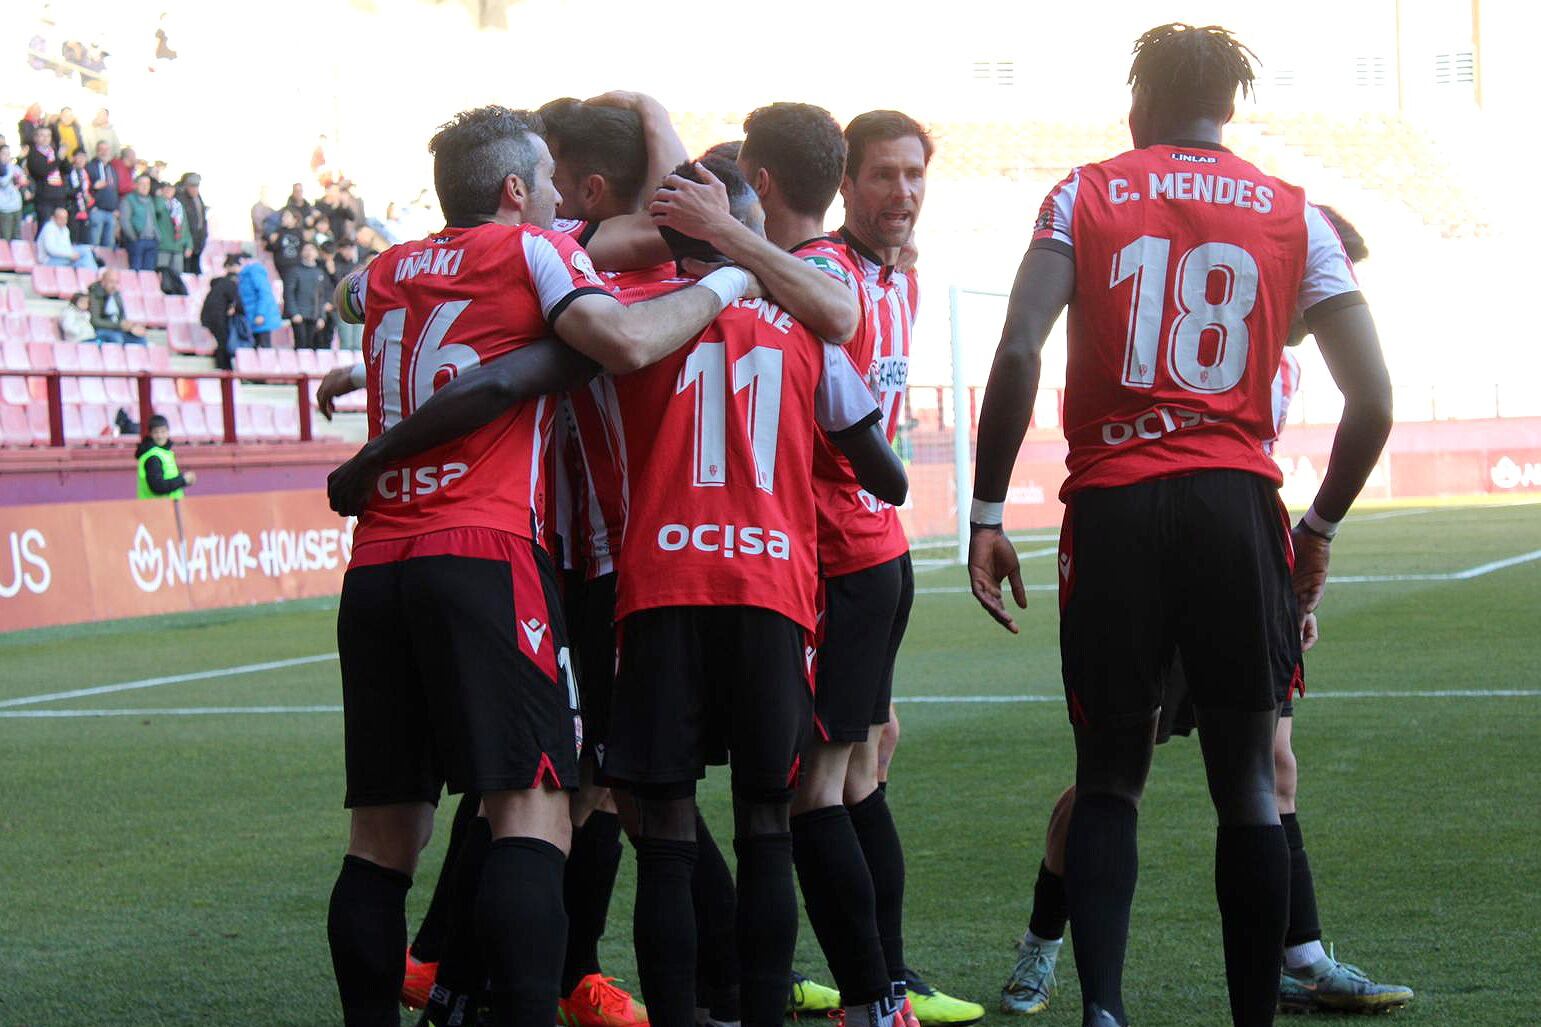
<point x="534" y="632"/>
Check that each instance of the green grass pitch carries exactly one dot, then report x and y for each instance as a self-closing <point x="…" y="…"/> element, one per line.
<point x="158" y="868"/>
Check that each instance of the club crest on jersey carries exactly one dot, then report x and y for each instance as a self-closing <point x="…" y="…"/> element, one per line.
<point x="585" y="267"/>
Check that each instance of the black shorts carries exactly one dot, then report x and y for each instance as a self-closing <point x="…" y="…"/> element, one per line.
<point x="865" y="614"/>
<point x="590" y="607"/>
<point x="454" y="671"/>
<point x="1177" y="716"/>
<point x="697" y="684"/>
<point x="1196" y="566"/>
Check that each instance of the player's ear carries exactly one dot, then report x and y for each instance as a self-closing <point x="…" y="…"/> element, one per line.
<point x="846" y="185"/>
<point x="593" y="190"/>
<point x="515" y="193"/>
<point x="761" y="182"/>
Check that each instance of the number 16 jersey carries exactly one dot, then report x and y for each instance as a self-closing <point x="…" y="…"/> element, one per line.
<point x="1190" y="264"/>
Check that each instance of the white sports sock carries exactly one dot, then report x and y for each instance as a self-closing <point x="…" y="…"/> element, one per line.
<point x="1298" y="957"/>
<point x="1033" y="939"/>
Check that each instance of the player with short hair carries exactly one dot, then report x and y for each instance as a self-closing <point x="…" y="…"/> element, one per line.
<point x="1313" y="980"/>
<point x="448" y="616"/>
<point x="1175" y="541"/>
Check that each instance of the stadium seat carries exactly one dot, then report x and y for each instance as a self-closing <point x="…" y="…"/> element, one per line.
<point x="137" y="357"/>
<point x="120" y="390"/>
<point x="307" y="361"/>
<point x="112" y="356"/>
<point x="13" y="355"/>
<point x="163" y="392"/>
<point x="14" y="430"/>
<point x="187" y="390"/>
<point x="155" y="309"/>
<point x="173" y="416"/>
<point x="85" y="277"/>
<point x="42" y="328"/>
<point x="41" y="356"/>
<point x="74" y="429"/>
<point x="160" y="358"/>
<point x="93" y="390"/>
<point x="267" y="361"/>
<point x="117" y="259"/>
<point x="203" y="340"/>
<point x="180" y="337"/>
<point x="7" y="262"/>
<point x="69" y="389"/>
<point x="194" y="425"/>
<point x="176" y="310"/>
<point x="326" y="359"/>
<point x="37" y="421"/>
<point x="246" y="363"/>
<point x="128" y="284"/>
<point x="96" y="424"/>
<point x="209" y="391"/>
<point x="196" y="285"/>
<point x="262" y="422"/>
<point x="14" y="391"/>
<point x="149" y="282"/>
<point x="15" y="324"/>
<point x="288" y="361"/>
<point x="133" y="307"/>
<point x="45" y="280"/>
<point x="67" y="356"/>
<point x="15" y="299"/>
<point x="244" y="432"/>
<point x="287" y="420"/>
<point x="90" y="355"/>
<point x="23" y="257"/>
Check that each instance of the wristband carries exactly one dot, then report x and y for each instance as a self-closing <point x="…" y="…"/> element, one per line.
<point x="1317" y="525"/>
<point x="987" y="515"/>
<point x="727" y="284"/>
<point x="358" y="375"/>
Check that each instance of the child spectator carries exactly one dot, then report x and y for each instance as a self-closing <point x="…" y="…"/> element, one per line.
<point x="257" y="300"/>
<point x="75" y="320"/>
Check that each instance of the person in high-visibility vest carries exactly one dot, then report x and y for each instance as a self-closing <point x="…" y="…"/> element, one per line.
<point x="159" y="477"/>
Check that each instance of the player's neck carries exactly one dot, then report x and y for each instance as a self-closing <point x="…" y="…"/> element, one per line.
<point x="786" y="228"/>
<point x="884" y="256"/>
<point x="1196" y="130"/>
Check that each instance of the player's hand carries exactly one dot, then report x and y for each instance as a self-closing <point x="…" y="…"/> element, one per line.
<point x="992" y="559"/>
<point x="348" y="487"/>
<point x="1310" y="577"/>
<point x="625" y="99"/>
<point x="888" y="741"/>
<point x="697" y="209"/>
<point x="191" y="477"/>
<point x="336" y="382"/>
<point x="1310" y="634"/>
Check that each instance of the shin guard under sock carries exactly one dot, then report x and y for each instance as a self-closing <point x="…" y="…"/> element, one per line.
<point x="716" y="905"/>
<point x="523" y="928"/>
<point x="1051" y="909"/>
<point x="767" y="926"/>
<point x="837" y="891"/>
<point x="366" y="926"/>
<point x="1101" y="866"/>
<point x="1252" y="880"/>
<point x="586" y="888"/>
<point x="1305" y="924"/>
<point x="428" y="944"/>
<point x="880" y="845"/>
<point x="664" y="930"/>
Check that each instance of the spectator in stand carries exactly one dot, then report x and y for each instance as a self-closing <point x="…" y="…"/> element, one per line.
<point x="257" y="300"/>
<point x="261" y="212"/>
<point x="75" y="320"/>
<point x="46" y="175"/>
<point x="125" y="168"/>
<point x="136" y="218"/>
<point x="26" y="128"/>
<point x="336" y="213"/>
<point x="286" y="242"/>
<point x="107" y="311"/>
<point x="104" y="194"/>
<point x="67" y="134"/>
<point x="190" y="193"/>
<point x="57" y="249"/>
<point x="170" y="229"/>
<point x="307" y="301"/>
<point x="13" y="185"/>
<point x="159" y="476"/>
<point x="224" y="316"/>
<point x="299" y="204"/>
<point x="77" y="198"/>
<point x="101" y="131"/>
<point x="158" y="173"/>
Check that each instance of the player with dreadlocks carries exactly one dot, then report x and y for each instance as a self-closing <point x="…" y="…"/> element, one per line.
<point x="1183" y="267"/>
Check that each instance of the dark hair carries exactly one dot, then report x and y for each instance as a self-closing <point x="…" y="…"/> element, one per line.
<point x="880" y="127"/>
<point x="802" y="148"/>
<point x="1353" y="242"/>
<point x="604" y="141"/>
<point x="232" y="260"/>
<point x="727" y="150"/>
<point x="1192" y="72"/>
<point x="741" y="196"/>
<point x="78" y="296"/>
<point x="156" y="421"/>
<point x="473" y="155"/>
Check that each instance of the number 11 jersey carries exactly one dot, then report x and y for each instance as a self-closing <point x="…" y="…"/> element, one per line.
<point x="1190" y="264"/>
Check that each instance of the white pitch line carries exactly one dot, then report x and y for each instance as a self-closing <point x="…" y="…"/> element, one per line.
<point x="923" y="700"/>
<point x="170" y="679"/>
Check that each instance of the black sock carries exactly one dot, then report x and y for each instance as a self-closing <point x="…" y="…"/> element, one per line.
<point x="462" y="972"/>
<point x="664" y="930"/>
<point x="523" y="929"/>
<point x="1051" y="910"/>
<point x="879" y="837"/>
<point x="367" y="928"/>
<point x="767" y="926"/>
<point x="1252" y="879"/>
<point x="837" y="892"/>
<point x="590" y="879"/>
<point x="711" y="889"/>
<point x="1101" y="865"/>
<point x="1305" y="925"/>
<point x="428" y="944"/>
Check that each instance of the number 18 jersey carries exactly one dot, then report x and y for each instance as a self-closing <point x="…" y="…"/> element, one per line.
<point x="1190" y="264"/>
<point x="719" y="441"/>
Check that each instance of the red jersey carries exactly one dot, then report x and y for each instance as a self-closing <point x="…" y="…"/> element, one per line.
<point x="1190" y="265"/>
<point x="719" y="439"/>
<point x="856" y="529"/>
<point x="433" y="308"/>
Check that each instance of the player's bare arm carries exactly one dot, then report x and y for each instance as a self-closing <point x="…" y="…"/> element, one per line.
<point x="1044" y="285"/>
<point x="700" y="210"/>
<point x="665" y="150"/>
<point x="1351" y="348"/>
<point x="878" y="468"/>
<point x="466" y="403"/>
<point x="629" y="242"/>
<point x="624" y="338"/>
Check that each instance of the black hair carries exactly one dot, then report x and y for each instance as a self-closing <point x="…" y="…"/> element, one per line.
<point x="473" y="155"/>
<point x="604" y="141"/>
<point x="1192" y="72"/>
<point x="156" y="421"/>
<point x="880" y="127"/>
<point x="727" y="150"/>
<point x="1353" y="243"/>
<point x="802" y="148"/>
<point x="741" y="196"/>
<point x="232" y="260"/>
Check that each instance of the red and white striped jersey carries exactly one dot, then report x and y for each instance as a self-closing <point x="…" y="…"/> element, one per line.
<point x="719" y="444"/>
<point x="1286" y="382"/>
<point x="856" y="529"/>
<point x="432" y="309"/>
<point x="1206" y="261"/>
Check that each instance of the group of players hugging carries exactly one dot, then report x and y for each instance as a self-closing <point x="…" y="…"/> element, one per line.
<point x="627" y="510"/>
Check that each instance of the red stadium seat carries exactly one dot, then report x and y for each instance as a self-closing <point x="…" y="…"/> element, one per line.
<point x="96" y="424"/>
<point x="69" y="389"/>
<point x="14" y="391"/>
<point x="267" y="361"/>
<point x="155" y="309"/>
<point x="45" y="280"/>
<point x="91" y="358"/>
<point x="214" y="414"/>
<point x="203" y="339"/>
<point x="243" y="423"/>
<point x="93" y="390"/>
<point x="117" y="259"/>
<point x="176" y="309"/>
<point x="209" y="391"/>
<point x="326" y="359"/>
<point x="173" y="416"/>
<point x="14" y="430"/>
<point x="23" y="256"/>
<point x="288" y="362"/>
<point x="120" y="391"/>
<point x="137" y="357"/>
<point x="163" y="392"/>
<point x="133" y="307"/>
<point x="262" y="422"/>
<point x="160" y="358"/>
<point x="149" y="282"/>
<point x="246" y="363"/>
<point x="187" y="390"/>
<point x="112" y="356"/>
<point x="307" y="361"/>
<point x="194" y="424"/>
<point x="15" y="299"/>
<point x="42" y="328"/>
<point x="85" y="277"/>
<point x="128" y="284"/>
<point x="196" y="285"/>
<point x="180" y="337"/>
<point x="37" y="420"/>
<point x="67" y="356"/>
<point x="41" y="354"/>
<point x="13" y="355"/>
<point x="7" y="262"/>
<point x="74" y="430"/>
<point x="287" y="420"/>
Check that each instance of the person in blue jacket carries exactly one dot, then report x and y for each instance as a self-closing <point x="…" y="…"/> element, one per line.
<point x="262" y="313"/>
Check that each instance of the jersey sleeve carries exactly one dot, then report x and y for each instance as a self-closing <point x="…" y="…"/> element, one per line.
<point x="354" y="295"/>
<point x="829" y="261"/>
<point x="1328" y="281"/>
<point x="1052" y="229"/>
<point x="583" y="231"/>
<point x="560" y="271"/>
<point x="843" y="404"/>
